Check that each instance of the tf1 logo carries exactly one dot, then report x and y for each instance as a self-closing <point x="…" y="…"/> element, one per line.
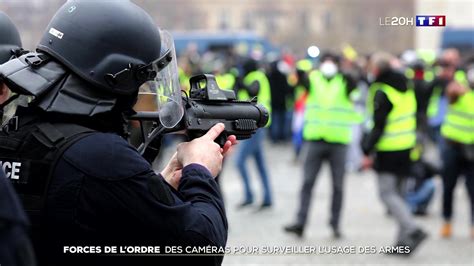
<point x="419" y="21"/>
<point x="430" y="21"/>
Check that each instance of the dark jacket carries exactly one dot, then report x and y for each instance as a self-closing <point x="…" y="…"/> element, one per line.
<point x="397" y="162"/>
<point x="103" y="193"/>
<point x="280" y="89"/>
<point x="421" y="94"/>
<point x="15" y="246"/>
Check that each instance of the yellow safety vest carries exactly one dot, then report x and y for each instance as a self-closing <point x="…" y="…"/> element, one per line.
<point x="225" y="81"/>
<point x="183" y="80"/>
<point x="458" y="124"/>
<point x="305" y="65"/>
<point x="264" y="94"/>
<point x="433" y="103"/>
<point x="329" y="113"/>
<point x="400" y="129"/>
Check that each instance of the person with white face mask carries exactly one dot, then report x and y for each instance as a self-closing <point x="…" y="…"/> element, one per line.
<point x="328" y="68"/>
<point x="328" y="121"/>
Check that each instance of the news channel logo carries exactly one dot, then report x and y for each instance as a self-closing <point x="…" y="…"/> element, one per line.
<point x="418" y="21"/>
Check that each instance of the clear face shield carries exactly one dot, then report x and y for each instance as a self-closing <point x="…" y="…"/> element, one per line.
<point x="163" y="93"/>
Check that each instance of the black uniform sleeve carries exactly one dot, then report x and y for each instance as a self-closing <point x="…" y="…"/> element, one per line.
<point x="199" y="188"/>
<point x="382" y="108"/>
<point x="15" y="246"/>
<point x="118" y="190"/>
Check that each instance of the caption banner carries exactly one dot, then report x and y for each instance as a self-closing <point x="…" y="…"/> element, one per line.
<point x="235" y="250"/>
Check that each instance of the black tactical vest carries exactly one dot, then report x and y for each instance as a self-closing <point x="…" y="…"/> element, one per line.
<point x="29" y="151"/>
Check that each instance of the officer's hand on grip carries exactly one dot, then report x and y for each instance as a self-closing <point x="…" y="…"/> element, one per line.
<point x="203" y="151"/>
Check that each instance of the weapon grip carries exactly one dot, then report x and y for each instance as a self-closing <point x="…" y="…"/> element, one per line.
<point x="221" y="139"/>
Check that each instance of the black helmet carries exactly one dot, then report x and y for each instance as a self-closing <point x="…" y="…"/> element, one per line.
<point x="9" y="38"/>
<point x="95" y="52"/>
<point x="104" y="42"/>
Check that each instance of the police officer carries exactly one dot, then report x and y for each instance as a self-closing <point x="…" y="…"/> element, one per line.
<point x="15" y="246"/>
<point x="392" y="136"/>
<point x="329" y="117"/>
<point x="9" y="43"/>
<point x="80" y="181"/>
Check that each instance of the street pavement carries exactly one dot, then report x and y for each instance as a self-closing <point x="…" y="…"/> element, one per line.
<point x="364" y="220"/>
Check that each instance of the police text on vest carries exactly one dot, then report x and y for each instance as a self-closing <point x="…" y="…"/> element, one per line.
<point x="11" y="169"/>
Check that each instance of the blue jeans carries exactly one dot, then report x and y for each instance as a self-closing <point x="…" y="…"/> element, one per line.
<point x="254" y="147"/>
<point x="456" y="164"/>
<point x="422" y="196"/>
<point x="287" y="125"/>
<point x="434" y="133"/>
<point x="277" y="128"/>
<point x="298" y="142"/>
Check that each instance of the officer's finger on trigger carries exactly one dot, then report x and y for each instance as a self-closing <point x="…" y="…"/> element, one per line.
<point x="215" y="131"/>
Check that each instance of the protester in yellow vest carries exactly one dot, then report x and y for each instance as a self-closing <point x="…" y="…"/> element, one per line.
<point x="226" y="81"/>
<point x="436" y="91"/>
<point x="328" y="120"/>
<point x="254" y="83"/>
<point x="225" y="75"/>
<point x="447" y="71"/>
<point x="391" y="136"/>
<point x="458" y="154"/>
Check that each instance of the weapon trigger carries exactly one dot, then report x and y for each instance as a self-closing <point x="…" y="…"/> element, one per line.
<point x="221" y="139"/>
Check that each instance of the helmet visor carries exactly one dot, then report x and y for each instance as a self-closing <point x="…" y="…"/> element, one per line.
<point x="163" y="93"/>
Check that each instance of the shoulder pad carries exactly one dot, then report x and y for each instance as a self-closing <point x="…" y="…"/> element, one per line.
<point x="106" y="156"/>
